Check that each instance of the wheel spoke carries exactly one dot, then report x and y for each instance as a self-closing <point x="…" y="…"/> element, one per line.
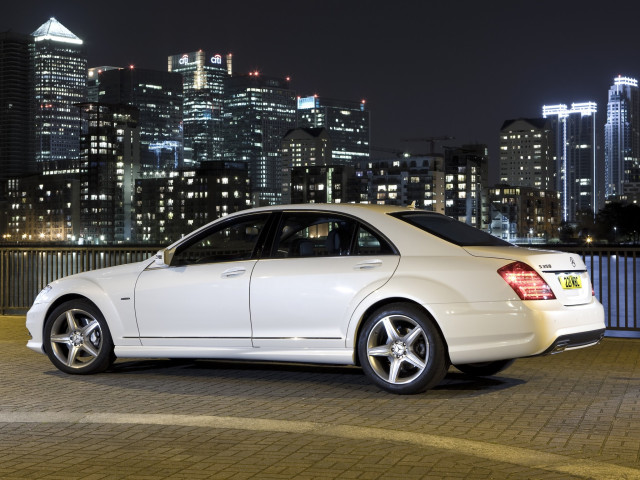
<point x="380" y="351"/>
<point x="413" y="335"/>
<point x="73" y="354"/>
<point x="90" y="349"/>
<point x="71" y="321"/>
<point x="413" y="359"/>
<point x="61" y="338"/>
<point x="392" y="333"/>
<point x="394" y="370"/>
<point x="87" y="330"/>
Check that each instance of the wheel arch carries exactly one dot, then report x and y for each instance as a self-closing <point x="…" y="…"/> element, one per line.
<point x="388" y="301"/>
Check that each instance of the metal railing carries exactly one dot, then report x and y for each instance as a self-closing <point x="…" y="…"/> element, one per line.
<point x="615" y="274"/>
<point x="25" y="271"/>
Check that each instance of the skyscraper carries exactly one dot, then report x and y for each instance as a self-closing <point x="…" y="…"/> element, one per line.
<point x="576" y="179"/>
<point x="347" y="122"/>
<point x="158" y="97"/>
<point x="259" y="111"/>
<point x="60" y="68"/>
<point x="16" y="106"/>
<point x="203" y="77"/>
<point x="622" y="136"/>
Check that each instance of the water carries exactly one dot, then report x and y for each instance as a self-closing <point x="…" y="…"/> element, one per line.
<point x="616" y="281"/>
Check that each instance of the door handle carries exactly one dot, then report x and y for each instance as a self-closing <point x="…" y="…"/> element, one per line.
<point x="368" y="264"/>
<point x="233" y="272"/>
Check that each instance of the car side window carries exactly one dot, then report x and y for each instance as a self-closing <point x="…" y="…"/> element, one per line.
<point x="231" y="241"/>
<point x="370" y="243"/>
<point x="313" y="234"/>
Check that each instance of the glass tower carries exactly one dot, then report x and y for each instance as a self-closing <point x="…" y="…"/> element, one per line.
<point x="60" y="67"/>
<point x="622" y="136"/>
<point x="575" y="132"/>
<point x="203" y="77"/>
<point x="347" y="123"/>
<point x="259" y="111"/>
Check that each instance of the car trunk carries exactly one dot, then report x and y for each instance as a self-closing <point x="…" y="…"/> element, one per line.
<point x="565" y="273"/>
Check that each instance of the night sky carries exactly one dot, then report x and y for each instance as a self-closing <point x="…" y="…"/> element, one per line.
<point x="426" y="68"/>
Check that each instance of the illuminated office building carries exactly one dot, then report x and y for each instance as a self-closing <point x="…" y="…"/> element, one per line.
<point x="203" y="77"/>
<point x="527" y="153"/>
<point x="259" y="111"/>
<point x="576" y="179"/>
<point x="60" y="82"/>
<point x="158" y="97"/>
<point x="346" y="121"/>
<point x="622" y="137"/>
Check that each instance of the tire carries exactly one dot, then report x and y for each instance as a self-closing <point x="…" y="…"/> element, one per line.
<point x="77" y="339"/>
<point x="401" y="350"/>
<point x="484" y="369"/>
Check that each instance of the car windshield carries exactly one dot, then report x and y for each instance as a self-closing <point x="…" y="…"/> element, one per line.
<point x="450" y="229"/>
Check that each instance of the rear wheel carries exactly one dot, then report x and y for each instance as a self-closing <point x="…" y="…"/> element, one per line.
<point x="77" y="338"/>
<point x="484" y="369"/>
<point x="401" y="350"/>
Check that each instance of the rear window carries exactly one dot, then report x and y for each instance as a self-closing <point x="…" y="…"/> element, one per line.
<point x="450" y="229"/>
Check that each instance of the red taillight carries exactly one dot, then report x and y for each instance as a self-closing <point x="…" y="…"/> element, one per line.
<point x="526" y="282"/>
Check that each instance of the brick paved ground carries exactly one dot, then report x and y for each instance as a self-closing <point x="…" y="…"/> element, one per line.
<point x="574" y="415"/>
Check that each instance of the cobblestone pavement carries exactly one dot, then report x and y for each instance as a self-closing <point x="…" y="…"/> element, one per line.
<point x="573" y="415"/>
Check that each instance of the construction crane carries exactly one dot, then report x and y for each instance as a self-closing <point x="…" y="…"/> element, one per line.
<point x="430" y="140"/>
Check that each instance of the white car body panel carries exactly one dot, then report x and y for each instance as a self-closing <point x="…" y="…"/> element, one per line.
<point x="206" y="306"/>
<point x="288" y="313"/>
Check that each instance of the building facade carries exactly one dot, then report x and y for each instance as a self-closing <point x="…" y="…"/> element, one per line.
<point x="527" y="153"/>
<point x="576" y="161"/>
<point x="259" y="111"/>
<point x="60" y="82"/>
<point x="303" y="147"/>
<point x="110" y="162"/>
<point x="158" y="97"/>
<point x="169" y="207"/>
<point x="524" y="214"/>
<point x="466" y="184"/>
<point x="347" y="122"/>
<point x="17" y="141"/>
<point x="326" y="184"/>
<point x="622" y="136"/>
<point x="203" y="75"/>
<point x="403" y="181"/>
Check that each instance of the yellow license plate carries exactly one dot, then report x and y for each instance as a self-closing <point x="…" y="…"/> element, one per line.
<point x="570" y="282"/>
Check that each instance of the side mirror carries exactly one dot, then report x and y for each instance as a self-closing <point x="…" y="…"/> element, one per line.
<point x="164" y="257"/>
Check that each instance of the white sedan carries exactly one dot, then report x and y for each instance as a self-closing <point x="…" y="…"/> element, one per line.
<point x="402" y="292"/>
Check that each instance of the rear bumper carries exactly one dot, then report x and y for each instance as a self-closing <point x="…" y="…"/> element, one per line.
<point x="574" y="341"/>
<point x="490" y="331"/>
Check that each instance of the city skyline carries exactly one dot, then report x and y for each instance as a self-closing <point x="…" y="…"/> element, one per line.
<point x="458" y="69"/>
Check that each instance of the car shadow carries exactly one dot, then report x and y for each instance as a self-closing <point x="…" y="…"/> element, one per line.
<point x="351" y="378"/>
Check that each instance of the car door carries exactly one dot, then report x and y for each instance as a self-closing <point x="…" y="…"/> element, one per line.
<point x="321" y="266"/>
<point x="202" y="297"/>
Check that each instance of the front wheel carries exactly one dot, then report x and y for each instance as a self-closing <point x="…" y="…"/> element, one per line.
<point x="401" y="350"/>
<point x="484" y="369"/>
<point x="77" y="338"/>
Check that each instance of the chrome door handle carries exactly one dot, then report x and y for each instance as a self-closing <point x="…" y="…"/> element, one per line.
<point x="368" y="264"/>
<point x="233" y="272"/>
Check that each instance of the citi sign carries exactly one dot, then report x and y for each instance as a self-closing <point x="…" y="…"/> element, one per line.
<point x="184" y="60"/>
<point x="216" y="59"/>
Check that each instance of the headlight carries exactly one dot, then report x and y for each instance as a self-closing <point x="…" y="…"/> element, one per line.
<point x="42" y="294"/>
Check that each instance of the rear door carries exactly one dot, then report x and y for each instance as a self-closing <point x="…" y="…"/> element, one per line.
<point x="322" y="265"/>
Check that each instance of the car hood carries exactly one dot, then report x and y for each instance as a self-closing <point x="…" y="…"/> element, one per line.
<point x="553" y="267"/>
